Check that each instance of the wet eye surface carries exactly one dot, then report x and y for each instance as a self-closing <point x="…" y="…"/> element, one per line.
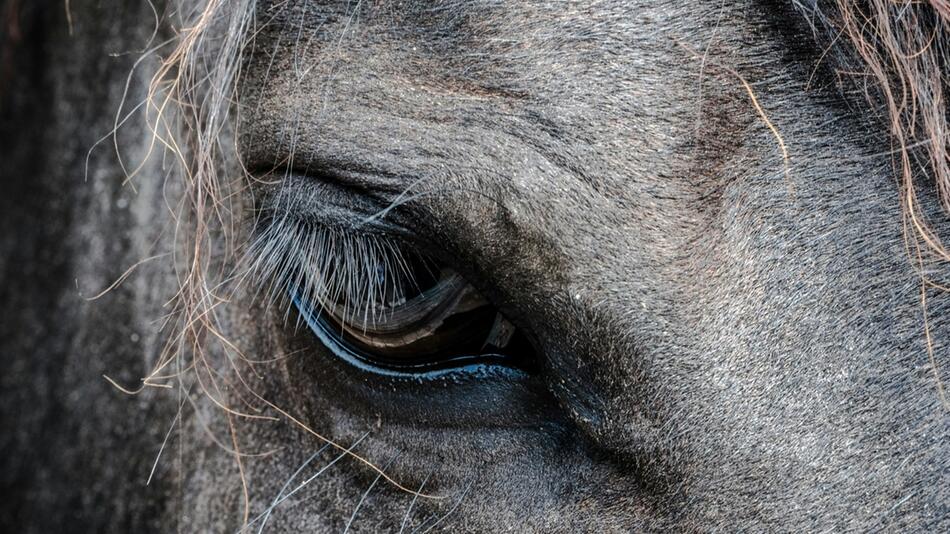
<point x="386" y="307"/>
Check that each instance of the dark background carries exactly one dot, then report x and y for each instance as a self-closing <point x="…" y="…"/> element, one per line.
<point x="69" y="442"/>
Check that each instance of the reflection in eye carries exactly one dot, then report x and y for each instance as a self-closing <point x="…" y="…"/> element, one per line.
<point x="386" y="307"/>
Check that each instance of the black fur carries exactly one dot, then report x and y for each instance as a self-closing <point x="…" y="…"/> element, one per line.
<point x="732" y="341"/>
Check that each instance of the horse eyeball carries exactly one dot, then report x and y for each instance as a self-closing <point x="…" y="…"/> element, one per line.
<point x="386" y="307"/>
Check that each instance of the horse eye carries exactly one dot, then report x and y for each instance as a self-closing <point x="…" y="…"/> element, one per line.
<point x="387" y="308"/>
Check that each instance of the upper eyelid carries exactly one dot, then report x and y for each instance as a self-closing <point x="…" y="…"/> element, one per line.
<point x="310" y="200"/>
<point x="288" y="250"/>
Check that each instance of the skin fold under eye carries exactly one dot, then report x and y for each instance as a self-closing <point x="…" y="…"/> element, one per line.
<point x="383" y="306"/>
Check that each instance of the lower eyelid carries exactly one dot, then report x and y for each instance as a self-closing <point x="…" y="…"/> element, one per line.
<point x="463" y="365"/>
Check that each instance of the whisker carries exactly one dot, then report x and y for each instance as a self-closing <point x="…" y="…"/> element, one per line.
<point x="451" y="510"/>
<point x="365" y="494"/>
<point x="412" y="503"/>
<point x="287" y="484"/>
<point x="305" y="483"/>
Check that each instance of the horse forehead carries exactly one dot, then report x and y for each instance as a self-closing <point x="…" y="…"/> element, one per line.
<point x="577" y="85"/>
<point x="477" y="38"/>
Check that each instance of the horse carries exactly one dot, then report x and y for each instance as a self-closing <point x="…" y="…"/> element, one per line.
<point x="439" y="266"/>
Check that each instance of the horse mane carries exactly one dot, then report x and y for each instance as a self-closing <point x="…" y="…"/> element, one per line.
<point x="896" y="54"/>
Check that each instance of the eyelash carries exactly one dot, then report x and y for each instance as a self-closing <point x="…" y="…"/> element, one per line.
<point x="318" y="265"/>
